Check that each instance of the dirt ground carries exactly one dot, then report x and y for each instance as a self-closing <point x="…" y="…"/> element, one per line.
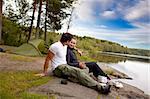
<point x="11" y="62"/>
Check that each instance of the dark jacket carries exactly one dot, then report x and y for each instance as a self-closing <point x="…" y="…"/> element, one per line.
<point x="72" y="58"/>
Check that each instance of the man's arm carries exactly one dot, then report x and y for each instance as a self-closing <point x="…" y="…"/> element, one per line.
<point x="49" y="57"/>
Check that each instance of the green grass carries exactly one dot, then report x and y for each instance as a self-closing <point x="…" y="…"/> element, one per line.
<point x="14" y="85"/>
<point x="86" y="58"/>
<point x="109" y="72"/>
<point x="27" y="95"/>
<point x="98" y="97"/>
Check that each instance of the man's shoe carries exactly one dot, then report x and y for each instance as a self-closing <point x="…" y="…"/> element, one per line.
<point x="104" y="88"/>
<point x="64" y="81"/>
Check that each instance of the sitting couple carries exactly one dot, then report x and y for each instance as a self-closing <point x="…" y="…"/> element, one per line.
<point x="64" y="64"/>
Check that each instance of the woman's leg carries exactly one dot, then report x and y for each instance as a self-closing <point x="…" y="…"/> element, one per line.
<point x="93" y="67"/>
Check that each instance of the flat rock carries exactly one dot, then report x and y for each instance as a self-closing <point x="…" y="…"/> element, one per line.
<point x="77" y="91"/>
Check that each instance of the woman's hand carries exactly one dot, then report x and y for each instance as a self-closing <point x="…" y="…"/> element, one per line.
<point x="82" y="65"/>
<point x="80" y="52"/>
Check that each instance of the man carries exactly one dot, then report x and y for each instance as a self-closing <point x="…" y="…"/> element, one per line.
<point x="72" y="61"/>
<point x="57" y="57"/>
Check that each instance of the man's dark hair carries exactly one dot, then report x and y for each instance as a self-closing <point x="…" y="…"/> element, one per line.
<point x="66" y="37"/>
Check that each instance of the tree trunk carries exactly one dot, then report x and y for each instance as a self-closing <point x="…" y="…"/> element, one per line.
<point x="0" y="21"/>
<point x="38" y="21"/>
<point x="70" y="19"/>
<point x="45" y="39"/>
<point x="30" y="29"/>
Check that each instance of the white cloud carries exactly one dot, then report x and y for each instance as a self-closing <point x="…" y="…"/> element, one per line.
<point x="132" y="38"/>
<point x="142" y="25"/>
<point x="109" y="14"/>
<point x="84" y="11"/>
<point x="104" y="4"/>
<point x="103" y="26"/>
<point x="138" y="11"/>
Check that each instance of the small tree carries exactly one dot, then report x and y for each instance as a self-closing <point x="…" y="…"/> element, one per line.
<point x="19" y="15"/>
<point x="45" y="27"/>
<point x="70" y="19"/>
<point x="57" y="13"/>
<point x="31" y="25"/>
<point x="38" y="20"/>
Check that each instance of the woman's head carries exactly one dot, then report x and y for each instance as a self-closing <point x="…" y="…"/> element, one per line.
<point x="72" y="43"/>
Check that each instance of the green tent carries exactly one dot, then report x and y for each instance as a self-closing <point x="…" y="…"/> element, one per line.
<point x="33" y="48"/>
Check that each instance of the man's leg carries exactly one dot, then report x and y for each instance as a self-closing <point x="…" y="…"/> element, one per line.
<point x="82" y="77"/>
<point x="67" y="71"/>
<point x="93" y="67"/>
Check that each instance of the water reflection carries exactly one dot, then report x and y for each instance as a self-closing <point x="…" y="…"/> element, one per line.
<point x="106" y="58"/>
<point x="139" y="71"/>
<point x="109" y="58"/>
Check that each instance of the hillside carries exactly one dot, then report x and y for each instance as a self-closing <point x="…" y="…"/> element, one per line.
<point x="15" y="35"/>
<point x="91" y="48"/>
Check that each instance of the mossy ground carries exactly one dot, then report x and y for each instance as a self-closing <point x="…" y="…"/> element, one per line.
<point x="14" y="84"/>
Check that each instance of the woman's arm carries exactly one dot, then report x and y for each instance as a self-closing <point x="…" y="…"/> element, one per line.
<point x="79" y="51"/>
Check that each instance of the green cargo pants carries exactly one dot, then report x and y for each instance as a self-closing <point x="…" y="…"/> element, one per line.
<point x="75" y="75"/>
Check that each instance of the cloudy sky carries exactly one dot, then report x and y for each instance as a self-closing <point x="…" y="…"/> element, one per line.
<point x="123" y="21"/>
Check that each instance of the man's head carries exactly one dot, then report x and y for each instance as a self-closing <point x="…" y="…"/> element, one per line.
<point x="72" y="43"/>
<point x="66" y="38"/>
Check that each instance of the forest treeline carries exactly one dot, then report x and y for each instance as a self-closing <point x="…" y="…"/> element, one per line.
<point x="18" y="28"/>
<point x="32" y="16"/>
<point x="13" y="35"/>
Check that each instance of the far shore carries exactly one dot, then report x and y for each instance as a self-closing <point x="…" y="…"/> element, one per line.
<point x="144" y="58"/>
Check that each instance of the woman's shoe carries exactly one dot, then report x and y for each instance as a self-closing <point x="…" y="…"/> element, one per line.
<point x="102" y="79"/>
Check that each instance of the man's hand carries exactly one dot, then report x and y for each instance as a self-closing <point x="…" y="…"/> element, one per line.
<point x="41" y="74"/>
<point x="82" y="65"/>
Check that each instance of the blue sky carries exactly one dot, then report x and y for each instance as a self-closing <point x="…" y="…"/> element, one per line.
<point x="123" y="21"/>
<point x="126" y="22"/>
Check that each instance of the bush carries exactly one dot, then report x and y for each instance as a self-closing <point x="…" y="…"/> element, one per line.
<point x="11" y="33"/>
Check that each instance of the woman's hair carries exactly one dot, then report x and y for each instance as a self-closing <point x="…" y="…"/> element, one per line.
<point x="66" y="37"/>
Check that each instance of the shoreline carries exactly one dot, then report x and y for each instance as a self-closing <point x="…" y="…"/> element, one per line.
<point x="140" y="58"/>
<point x="119" y="75"/>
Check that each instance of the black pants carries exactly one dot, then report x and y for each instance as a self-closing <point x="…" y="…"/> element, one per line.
<point x="93" y="67"/>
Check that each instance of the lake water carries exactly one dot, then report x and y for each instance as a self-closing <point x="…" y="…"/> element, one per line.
<point x="139" y="71"/>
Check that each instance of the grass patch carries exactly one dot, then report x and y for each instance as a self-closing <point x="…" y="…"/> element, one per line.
<point x="13" y="84"/>
<point x="86" y="59"/>
<point x="27" y="95"/>
<point x="109" y="72"/>
<point x="98" y="97"/>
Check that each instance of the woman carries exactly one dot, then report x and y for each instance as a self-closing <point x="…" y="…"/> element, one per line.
<point x="72" y="61"/>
